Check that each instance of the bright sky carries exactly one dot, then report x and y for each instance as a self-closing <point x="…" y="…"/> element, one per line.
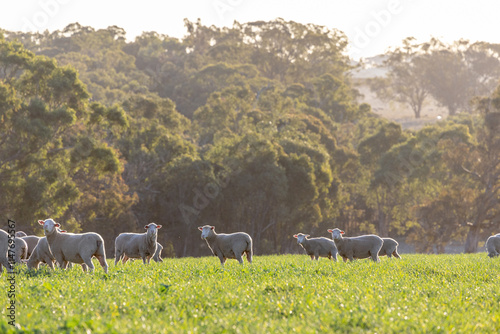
<point x="371" y="25"/>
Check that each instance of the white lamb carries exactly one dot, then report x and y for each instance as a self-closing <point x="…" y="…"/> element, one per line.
<point x="20" y="250"/>
<point x="31" y="241"/>
<point x="157" y="256"/>
<point x="137" y="245"/>
<point x="41" y="253"/>
<point x="316" y="247"/>
<point x="389" y="248"/>
<point x="357" y="247"/>
<point x="227" y="246"/>
<point x="493" y="245"/>
<point x="73" y="247"/>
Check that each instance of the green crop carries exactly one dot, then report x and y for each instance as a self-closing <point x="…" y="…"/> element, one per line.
<point x="274" y="294"/>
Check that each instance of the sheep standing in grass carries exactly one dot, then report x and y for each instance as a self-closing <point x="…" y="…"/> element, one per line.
<point x="316" y="247"/>
<point x="137" y="245"/>
<point x="72" y="247"/>
<point x="227" y="246"/>
<point x="493" y="245"/>
<point x="357" y="247"/>
<point x="389" y="248"/>
<point x="31" y="241"/>
<point x="20" y="250"/>
<point x="41" y="253"/>
<point x="4" y="251"/>
<point x="156" y="256"/>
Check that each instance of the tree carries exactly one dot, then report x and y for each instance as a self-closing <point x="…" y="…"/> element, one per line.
<point x="406" y="80"/>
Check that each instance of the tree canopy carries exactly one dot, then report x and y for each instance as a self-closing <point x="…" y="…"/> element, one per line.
<point x="254" y="127"/>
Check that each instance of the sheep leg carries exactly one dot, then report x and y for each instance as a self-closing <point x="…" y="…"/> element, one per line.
<point x="222" y="260"/>
<point x="396" y="255"/>
<point x="374" y="256"/>
<point x="118" y="255"/>
<point x="4" y="262"/>
<point x="125" y="259"/>
<point x="88" y="262"/>
<point x="239" y="258"/>
<point x="49" y="262"/>
<point x="312" y="257"/>
<point x="102" y="261"/>
<point x="249" y="256"/>
<point x="344" y="258"/>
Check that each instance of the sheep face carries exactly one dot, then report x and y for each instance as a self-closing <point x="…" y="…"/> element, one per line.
<point x="152" y="229"/>
<point x="206" y="231"/>
<point x="49" y="226"/>
<point x="301" y="237"/>
<point x="336" y="233"/>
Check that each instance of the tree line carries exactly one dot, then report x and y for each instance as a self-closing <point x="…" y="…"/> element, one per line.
<point x="255" y="127"/>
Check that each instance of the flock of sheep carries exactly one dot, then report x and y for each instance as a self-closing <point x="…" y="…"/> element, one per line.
<point x="67" y="248"/>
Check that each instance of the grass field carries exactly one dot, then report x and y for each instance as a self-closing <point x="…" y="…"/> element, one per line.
<point x="275" y="294"/>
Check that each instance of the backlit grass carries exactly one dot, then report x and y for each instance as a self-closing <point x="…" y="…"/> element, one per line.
<point x="288" y="293"/>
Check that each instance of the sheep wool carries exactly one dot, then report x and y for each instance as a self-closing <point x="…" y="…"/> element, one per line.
<point x="360" y="247"/>
<point x="137" y="245"/>
<point x="316" y="247"/>
<point x="4" y="248"/>
<point x="31" y="241"/>
<point x="74" y="247"/>
<point x="493" y="245"/>
<point x="227" y="246"/>
<point x="41" y="254"/>
<point x="389" y="248"/>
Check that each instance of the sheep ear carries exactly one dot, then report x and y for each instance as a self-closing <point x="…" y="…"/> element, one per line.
<point x="307" y="235"/>
<point x="41" y="222"/>
<point x="342" y="232"/>
<point x="200" y="228"/>
<point x="63" y="231"/>
<point x="146" y="226"/>
<point x="212" y="227"/>
<point x="158" y="226"/>
<point x="295" y="236"/>
<point x="330" y="230"/>
<point x="57" y="225"/>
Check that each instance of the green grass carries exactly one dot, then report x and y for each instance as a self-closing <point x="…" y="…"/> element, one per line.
<point x="275" y="294"/>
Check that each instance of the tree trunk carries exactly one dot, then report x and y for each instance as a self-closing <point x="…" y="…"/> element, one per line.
<point x="472" y="239"/>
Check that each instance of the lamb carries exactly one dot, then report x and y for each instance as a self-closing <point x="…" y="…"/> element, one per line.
<point x="389" y="248"/>
<point x="357" y="247"/>
<point x="31" y="241"/>
<point x="4" y="249"/>
<point x="227" y="246"/>
<point x="137" y="245"/>
<point x="73" y="247"/>
<point x="316" y="247"/>
<point x="156" y="256"/>
<point x="493" y="245"/>
<point x="20" y="249"/>
<point x="41" y="253"/>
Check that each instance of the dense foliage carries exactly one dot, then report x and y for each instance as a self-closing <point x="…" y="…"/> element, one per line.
<point x="254" y="127"/>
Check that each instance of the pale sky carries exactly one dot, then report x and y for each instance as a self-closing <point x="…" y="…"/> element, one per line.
<point x="371" y="25"/>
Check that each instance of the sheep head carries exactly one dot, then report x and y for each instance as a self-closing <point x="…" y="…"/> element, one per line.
<point x="49" y="226"/>
<point x="206" y="231"/>
<point x="336" y="233"/>
<point x="152" y="228"/>
<point x="301" y="237"/>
